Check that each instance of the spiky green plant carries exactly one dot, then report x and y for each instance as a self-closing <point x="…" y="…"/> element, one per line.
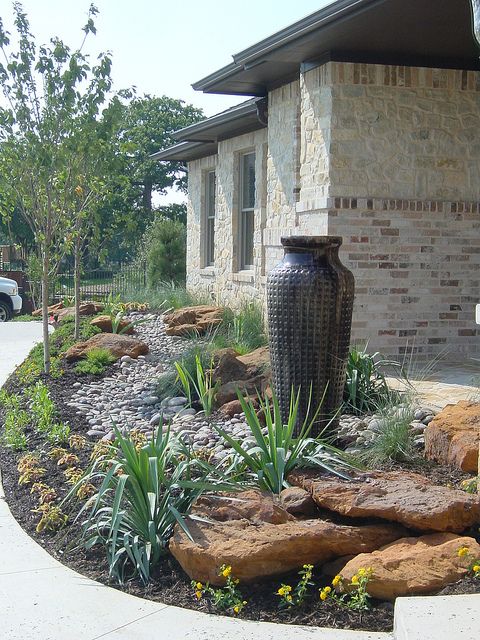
<point x="278" y="452"/>
<point x="144" y="491"/>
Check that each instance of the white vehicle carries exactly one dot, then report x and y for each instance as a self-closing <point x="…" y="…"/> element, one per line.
<point x="10" y="301"/>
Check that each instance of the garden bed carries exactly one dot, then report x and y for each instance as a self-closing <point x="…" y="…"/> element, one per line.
<point x="169" y="583"/>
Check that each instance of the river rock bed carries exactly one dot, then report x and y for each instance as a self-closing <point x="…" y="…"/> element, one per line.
<point x="128" y="399"/>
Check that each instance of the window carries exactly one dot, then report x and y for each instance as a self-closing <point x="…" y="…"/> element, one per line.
<point x="247" y="209"/>
<point x="209" y="219"/>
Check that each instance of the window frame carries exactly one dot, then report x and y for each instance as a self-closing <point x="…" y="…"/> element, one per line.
<point x="245" y="211"/>
<point x="209" y="217"/>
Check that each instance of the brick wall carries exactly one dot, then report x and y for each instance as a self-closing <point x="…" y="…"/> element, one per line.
<point x="387" y="157"/>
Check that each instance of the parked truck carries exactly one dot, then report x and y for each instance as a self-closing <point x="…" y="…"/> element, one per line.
<point x="10" y="301"/>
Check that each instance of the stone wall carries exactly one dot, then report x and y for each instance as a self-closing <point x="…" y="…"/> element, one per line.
<point x="387" y="157"/>
<point x="224" y="282"/>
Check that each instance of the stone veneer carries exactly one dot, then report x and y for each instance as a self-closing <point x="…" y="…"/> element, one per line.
<point x="387" y="157"/>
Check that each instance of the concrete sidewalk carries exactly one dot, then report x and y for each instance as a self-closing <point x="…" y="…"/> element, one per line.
<point x="41" y="598"/>
<point x="16" y="340"/>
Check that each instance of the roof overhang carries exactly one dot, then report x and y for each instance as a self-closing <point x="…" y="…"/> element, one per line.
<point x="432" y="33"/>
<point x="186" y="151"/>
<point x="241" y="118"/>
<point x="201" y="139"/>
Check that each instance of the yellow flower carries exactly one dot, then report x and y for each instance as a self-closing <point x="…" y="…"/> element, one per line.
<point x="362" y="572"/>
<point x="355" y="579"/>
<point x="199" y="586"/>
<point x="226" y="571"/>
<point x="463" y="551"/>
<point x="284" y="590"/>
<point x="336" y="581"/>
<point x="476" y="568"/>
<point x="323" y="595"/>
<point x="198" y="594"/>
<point x="288" y="598"/>
<point x="327" y="589"/>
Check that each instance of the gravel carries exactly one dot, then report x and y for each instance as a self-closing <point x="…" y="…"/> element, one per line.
<point x="128" y="399"/>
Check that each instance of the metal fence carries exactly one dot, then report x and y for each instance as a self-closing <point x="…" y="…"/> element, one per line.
<point x="101" y="283"/>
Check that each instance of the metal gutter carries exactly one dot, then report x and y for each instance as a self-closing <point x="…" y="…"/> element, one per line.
<point x="185" y="151"/>
<point x="333" y="12"/>
<point x="230" y="115"/>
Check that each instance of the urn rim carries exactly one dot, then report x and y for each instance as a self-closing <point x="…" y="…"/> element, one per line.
<point x="310" y="242"/>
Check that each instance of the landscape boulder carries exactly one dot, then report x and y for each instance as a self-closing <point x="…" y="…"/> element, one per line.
<point x="259" y="550"/>
<point x="397" y="496"/>
<point x="453" y="436"/>
<point x="256" y="506"/>
<point x="198" y="319"/>
<point x="298" y="502"/>
<point x="86" y="309"/>
<point x="104" y="323"/>
<point x="52" y="310"/>
<point x="226" y="393"/>
<point x="234" y="407"/>
<point x="414" y="566"/>
<point x="118" y="345"/>
<point x="250" y="374"/>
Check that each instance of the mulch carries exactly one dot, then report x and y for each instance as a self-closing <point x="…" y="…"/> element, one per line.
<point x="169" y="583"/>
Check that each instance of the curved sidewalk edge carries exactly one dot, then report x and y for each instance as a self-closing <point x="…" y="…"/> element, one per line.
<point x="41" y="598"/>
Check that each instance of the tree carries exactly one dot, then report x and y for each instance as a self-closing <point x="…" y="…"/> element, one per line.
<point x="54" y="98"/>
<point x="147" y="125"/>
<point x="164" y="251"/>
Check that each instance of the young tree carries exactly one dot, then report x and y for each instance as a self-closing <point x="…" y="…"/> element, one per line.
<point x="48" y="127"/>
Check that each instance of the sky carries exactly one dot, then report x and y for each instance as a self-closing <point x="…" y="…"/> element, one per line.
<point x="162" y="47"/>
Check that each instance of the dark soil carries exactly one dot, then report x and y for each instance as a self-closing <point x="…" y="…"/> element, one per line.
<point x="169" y="583"/>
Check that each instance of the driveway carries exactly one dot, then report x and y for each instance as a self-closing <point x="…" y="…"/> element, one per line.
<point x="16" y="340"/>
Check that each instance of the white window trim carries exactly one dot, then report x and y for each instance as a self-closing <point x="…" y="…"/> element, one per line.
<point x="242" y="210"/>
<point x="207" y="217"/>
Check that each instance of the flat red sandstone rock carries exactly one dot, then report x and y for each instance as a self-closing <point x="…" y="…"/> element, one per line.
<point x="453" y="436"/>
<point x="259" y="550"/>
<point x="397" y="496"/>
<point x="414" y="566"/>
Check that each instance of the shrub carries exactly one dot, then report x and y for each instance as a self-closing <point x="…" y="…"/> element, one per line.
<point x="169" y="383"/>
<point x="394" y="440"/>
<point x="277" y="453"/>
<point x="14" y="435"/>
<point x="58" y="433"/>
<point x="165" y="252"/>
<point x="96" y="360"/>
<point x="144" y="491"/>
<point x="42" y="407"/>
<point x="365" y="385"/>
<point x="243" y="331"/>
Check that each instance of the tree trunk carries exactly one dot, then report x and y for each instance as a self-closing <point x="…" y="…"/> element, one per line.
<point x="147" y="197"/>
<point x="45" y="292"/>
<point x="76" y="284"/>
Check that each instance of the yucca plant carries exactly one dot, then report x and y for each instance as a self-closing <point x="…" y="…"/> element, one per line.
<point x="277" y="452"/>
<point x="144" y="491"/>
<point x="201" y="382"/>
<point x="365" y="385"/>
<point x="117" y="322"/>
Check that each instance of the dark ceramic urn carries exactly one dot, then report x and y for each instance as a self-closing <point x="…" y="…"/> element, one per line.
<point x="309" y="305"/>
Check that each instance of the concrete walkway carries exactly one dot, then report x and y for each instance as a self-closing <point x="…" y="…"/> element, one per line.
<point x="446" y="384"/>
<point x="16" y="340"/>
<point x="42" y="599"/>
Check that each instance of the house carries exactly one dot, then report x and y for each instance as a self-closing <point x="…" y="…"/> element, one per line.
<point x="363" y="121"/>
